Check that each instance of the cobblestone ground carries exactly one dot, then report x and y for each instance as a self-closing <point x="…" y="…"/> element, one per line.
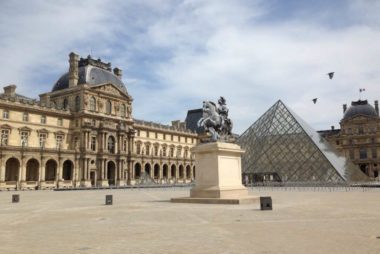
<point x="143" y="221"/>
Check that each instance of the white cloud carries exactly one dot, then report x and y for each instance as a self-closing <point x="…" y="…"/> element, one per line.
<point x="177" y="53"/>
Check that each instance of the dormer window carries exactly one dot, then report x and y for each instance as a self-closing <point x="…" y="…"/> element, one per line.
<point x="25" y="117"/>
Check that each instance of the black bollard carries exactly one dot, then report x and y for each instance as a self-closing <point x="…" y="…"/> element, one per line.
<point x="15" y="198"/>
<point x="108" y="199"/>
<point x="266" y="203"/>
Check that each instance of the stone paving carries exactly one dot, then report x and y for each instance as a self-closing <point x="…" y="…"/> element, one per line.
<point x="143" y="221"/>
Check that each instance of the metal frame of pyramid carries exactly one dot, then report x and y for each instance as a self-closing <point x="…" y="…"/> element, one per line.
<point x="280" y="146"/>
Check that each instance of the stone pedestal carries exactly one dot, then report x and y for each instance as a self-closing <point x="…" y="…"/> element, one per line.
<point x="218" y="175"/>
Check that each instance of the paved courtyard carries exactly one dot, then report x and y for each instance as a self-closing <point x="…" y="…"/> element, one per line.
<point x="143" y="221"/>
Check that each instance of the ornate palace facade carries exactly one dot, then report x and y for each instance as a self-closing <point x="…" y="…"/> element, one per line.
<point x="359" y="136"/>
<point x="82" y="133"/>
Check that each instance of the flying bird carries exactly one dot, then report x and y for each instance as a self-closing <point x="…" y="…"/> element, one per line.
<point x="361" y="90"/>
<point x="331" y="75"/>
<point x="315" y="100"/>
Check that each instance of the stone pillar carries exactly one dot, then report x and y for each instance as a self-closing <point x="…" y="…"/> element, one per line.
<point x="160" y="171"/>
<point x="23" y="171"/>
<point x="105" y="142"/>
<point x="105" y="170"/>
<point x="73" y="70"/>
<point x="88" y="170"/>
<point x="2" y="171"/>
<point x="42" y="170"/>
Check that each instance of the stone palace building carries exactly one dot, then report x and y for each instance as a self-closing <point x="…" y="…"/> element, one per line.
<point x="82" y="133"/>
<point x="359" y="136"/>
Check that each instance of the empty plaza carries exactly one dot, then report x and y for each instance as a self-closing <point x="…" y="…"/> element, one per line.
<point x="303" y="220"/>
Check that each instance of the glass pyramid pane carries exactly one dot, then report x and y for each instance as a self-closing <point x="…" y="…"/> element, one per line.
<point x="283" y="146"/>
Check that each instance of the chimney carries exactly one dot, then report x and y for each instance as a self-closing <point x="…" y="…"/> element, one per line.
<point x="344" y="108"/>
<point x="10" y="90"/>
<point x="118" y="72"/>
<point x="332" y="127"/>
<point x="377" y="107"/>
<point x="45" y="99"/>
<point x="73" y="71"/>
<point x="176" y="124"/>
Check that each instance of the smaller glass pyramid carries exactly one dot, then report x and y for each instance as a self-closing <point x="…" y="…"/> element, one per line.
<point x="280" y="145"/>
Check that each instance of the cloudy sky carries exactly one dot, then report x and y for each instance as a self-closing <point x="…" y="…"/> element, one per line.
<point x="175" y="54"/>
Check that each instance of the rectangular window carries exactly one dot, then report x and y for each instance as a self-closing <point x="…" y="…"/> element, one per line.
<point x="363" y="153"/>
<point x="93" y="143"/>
<point x="138" y="133"/>
<point x="179" y="138"/>
<point x="24" y="138"/>
<point x="155" y="150"/>
<point x="147" y="149"/>
<point x="76" y="142"/>
<point x="124" y="145"/>
<point x="138" y="148"/>
<point x="179" y="152"/>
<point x="60" y="122"/>
<point x="42" y="139"/>
<point x="172" y="151"/>
<point x="171" y="137"/>
<point x="352" y="154"/>
<point x="43" y="119"/>
<point x="185" y="154"/>
<point x="164" y="136"/>
<point x="156" y="135"/>
<point x="25" y="117"/>
<point x="164" y="151"/>
<point x="4" y="137"/>
<point x="58" y="141"/>
<point x="5" y="114"/>
<point x="361" y="131"/>
<point x="374" y="153"/>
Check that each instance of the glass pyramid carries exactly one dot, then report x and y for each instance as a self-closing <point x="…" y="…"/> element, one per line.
<point x="280" y="146"/>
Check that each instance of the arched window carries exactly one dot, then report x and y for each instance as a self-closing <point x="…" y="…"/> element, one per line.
<point x="111" y="144"/>
<point x="108" y="107"/>
<point x="77" y="103"/>
<point x="122" y="110"/>
<point x="92" y="103"/>
<point x="65" y="103"/>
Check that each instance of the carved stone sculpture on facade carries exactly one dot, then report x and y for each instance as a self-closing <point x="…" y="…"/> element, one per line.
<point x="215" y="120"/>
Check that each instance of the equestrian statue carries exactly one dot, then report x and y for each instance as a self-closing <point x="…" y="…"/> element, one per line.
<point x="215" y="120"/>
